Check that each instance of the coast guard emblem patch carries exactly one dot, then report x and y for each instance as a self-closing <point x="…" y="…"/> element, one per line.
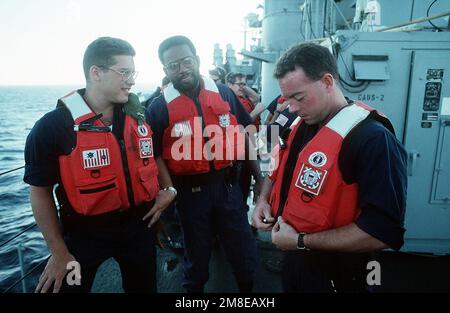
<point x="311" y="179"/>
<point x="145" y="148"/>
<point x="224" y="120"/>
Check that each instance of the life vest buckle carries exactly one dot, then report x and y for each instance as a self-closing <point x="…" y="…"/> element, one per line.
<point x="95" y="173"/>
<point x="307" y="197"/>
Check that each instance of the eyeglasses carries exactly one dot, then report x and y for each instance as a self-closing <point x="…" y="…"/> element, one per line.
<point x="127" y="75"/>
<point x="174" y="67"/>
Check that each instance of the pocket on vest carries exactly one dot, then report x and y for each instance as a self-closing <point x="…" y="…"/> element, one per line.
<point x="307" y="217"/>
<point x="148" y="177"/>
<point x="99" y="196"/>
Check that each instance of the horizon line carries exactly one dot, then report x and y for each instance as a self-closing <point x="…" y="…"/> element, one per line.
<point x="65" y="84"/>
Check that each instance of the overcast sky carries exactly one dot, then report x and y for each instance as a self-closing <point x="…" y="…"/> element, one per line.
<point x="43" y="41"/>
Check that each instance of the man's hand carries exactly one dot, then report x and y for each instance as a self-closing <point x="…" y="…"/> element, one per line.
<point x="162" y="201"/>
<point x="54" y="272"/>
<point x="262" y="218"/>
<point x="284" y="236"/>
<point x="251" y="94"/>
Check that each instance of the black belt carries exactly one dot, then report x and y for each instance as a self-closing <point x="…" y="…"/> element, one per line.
<point x="200" y="179"/>
<point x="73" y="220"/>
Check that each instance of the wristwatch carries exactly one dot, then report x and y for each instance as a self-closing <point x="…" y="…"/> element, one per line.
<point x="170" y="188"/>
<point x="301" y="242"/>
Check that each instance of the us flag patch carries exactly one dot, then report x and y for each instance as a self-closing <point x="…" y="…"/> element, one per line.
<point x="96" y="158"/>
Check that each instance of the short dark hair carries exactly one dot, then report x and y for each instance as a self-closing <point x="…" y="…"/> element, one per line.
<point x="315" y="60"/>
<point x="174" y="41"/>
<point x="232" y="77"/>
<point x="102" y="51"/>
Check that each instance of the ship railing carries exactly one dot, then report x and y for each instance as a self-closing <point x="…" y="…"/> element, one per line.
<point x="19" y="249"/>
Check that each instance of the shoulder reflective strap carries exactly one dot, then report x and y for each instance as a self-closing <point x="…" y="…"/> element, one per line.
<point x="347" y="119"/>
<point x="170" y="93"/>
<point x="76" y="105"/>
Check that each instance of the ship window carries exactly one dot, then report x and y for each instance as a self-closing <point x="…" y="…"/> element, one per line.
<point x="371" y="67"/>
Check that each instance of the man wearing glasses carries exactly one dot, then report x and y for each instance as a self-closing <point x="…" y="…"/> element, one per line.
<point x="97" y="147"/>
<point x="248" y="97"/>
<point x="209" y="201"/>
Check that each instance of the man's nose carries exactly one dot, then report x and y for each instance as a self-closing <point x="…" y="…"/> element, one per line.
<point x="184" y="68"/>
<point x="292" y="109"/>
<point x="131" y="81"/>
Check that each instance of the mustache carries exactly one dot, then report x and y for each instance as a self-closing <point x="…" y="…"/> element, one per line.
<point x="187" y="74"/>
<point x="181" y="76"/>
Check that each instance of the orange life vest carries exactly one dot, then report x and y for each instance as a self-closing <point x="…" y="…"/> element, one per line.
<point x="318" y="197"/>
<point x="249" y="107"/>
<point x="184" y="146"/>
<point x="93" y="174"/>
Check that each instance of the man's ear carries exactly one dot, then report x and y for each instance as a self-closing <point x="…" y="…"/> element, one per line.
<point x="328" y="80"/>
<point x="94" y="73"/>
<point x="198" y="60"/>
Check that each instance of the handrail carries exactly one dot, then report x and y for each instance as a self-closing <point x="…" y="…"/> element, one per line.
<point x="17" y="235"/>
<point x="420" y="20"/>
<point x="15" y="169"/>
<point x="27" y="274"/>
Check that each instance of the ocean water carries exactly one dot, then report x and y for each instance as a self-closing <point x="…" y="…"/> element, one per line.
<point x="20" y="108"/>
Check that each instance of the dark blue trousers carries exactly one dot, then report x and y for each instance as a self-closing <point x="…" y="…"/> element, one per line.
<point x="207" y="211"/>
<point x="123" y="236"/>
<point x="324" y="272"/>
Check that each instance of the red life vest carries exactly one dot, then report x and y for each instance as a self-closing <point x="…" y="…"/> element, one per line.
<point x="93" y="174"/>
<point x="184" y="147"/>
<point x="318" y="198"/>
<point x="249" y="107"/>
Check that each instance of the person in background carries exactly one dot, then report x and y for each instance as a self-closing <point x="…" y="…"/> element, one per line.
<point x="209" y="201"/>
<point x="96" y="146"/>
<point x="218" y="75"/>
<point x="337" y="192"/>
<point x="278" y="122"/>
<point x="248" y="97"/>
<point x="165" y="81"/>
<point x="278" y="106"/>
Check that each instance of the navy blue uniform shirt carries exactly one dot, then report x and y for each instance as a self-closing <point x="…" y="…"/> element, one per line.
<point x="372" y="157"/>
<point x="288" y="120"/>
<point x="159" y="115"/>
<point x="273" y="105"/>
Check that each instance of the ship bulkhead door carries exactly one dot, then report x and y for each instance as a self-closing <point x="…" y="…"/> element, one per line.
<point x="427" y="140"/>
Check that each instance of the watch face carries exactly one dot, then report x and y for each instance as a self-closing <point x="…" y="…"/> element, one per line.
<point x="172" y="189"/>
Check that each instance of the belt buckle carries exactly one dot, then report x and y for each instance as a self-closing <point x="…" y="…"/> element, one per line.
<point x="196" y="189"/>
